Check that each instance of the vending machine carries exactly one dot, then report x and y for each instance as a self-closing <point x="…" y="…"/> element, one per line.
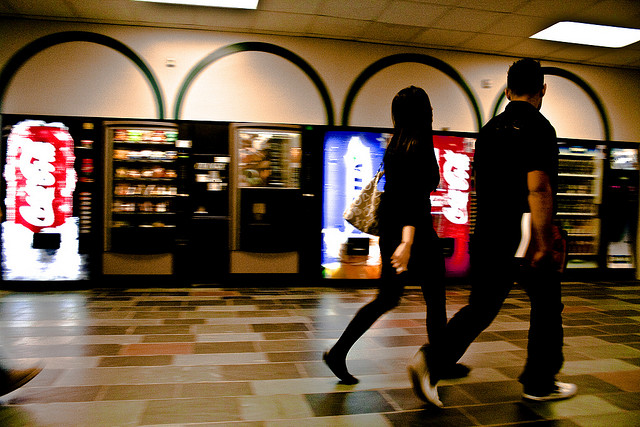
<point x="49" y="224"/>
<point x="351" y="157"/>
<point x="209" y="217"/>
<point x="141" y="197"/>
<point x="579" y="200"/>
<point x="265" y="198"/>
<point x="620" y="207"/>
<point x="452" y="204"/>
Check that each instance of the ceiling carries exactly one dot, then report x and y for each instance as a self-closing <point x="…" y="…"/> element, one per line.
<point x="498" y="27"/>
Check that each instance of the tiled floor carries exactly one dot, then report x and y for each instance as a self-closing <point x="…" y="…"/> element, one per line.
<point x="251" y="357"/>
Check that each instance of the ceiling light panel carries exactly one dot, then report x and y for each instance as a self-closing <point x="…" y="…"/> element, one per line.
<point x="235" y="4"/>
<point x="589" y="34"/>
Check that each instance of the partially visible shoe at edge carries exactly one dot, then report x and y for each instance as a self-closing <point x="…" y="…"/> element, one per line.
<point x="560" y="391"/>
<point x="13" y="379"/>
<point x="421" y="380"/>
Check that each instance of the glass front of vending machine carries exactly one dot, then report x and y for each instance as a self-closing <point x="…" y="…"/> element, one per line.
<point x="141" y="197"/>
<point x="579" y="200"/>
<point x="620" y="207"/>
<point x="48" y="198"/>
<point x="265" y="198"/>
<point x="351" y="159"/>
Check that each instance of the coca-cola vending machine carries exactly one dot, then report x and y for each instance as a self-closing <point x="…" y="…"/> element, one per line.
<point x="48" y="195"/>
<point x="452" y="205"/>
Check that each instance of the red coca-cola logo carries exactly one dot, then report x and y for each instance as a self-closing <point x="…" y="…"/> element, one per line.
<point x="40" y="175"/>
<point x="451" y="202"/>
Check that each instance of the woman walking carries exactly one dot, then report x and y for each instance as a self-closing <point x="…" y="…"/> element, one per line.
<point x="409" y="245"/>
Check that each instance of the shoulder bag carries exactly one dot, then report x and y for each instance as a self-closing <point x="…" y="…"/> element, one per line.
<point x="363" y="211"/>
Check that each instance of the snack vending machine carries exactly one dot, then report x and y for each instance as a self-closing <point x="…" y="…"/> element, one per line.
<point x="265" y="198"/>
<point x="49" y="205"/>
<point x="579" y="197"/>
<point x="141" y="197"/>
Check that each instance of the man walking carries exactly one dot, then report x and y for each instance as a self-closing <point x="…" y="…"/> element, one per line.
<point x="516" y="169"/>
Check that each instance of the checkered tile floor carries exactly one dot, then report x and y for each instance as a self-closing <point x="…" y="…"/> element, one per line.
<point x="252" y="357"/>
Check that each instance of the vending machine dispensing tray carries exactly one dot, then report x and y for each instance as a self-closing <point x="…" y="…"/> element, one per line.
<point x="143" y="240"/>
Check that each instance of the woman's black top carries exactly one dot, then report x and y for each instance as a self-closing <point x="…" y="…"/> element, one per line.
<point x="410" y="178"/>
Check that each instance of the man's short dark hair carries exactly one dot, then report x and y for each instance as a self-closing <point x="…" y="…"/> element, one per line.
<point x="525" y="77"/>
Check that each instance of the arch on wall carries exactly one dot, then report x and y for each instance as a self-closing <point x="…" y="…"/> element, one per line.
<point x="400" y="58"/>
<point x="559" y="72"/>
<point x="37" y="46"/>
<point x="256" y="47"/>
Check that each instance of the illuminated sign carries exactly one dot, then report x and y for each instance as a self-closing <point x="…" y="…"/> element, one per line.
<point x="450" y="203"/>
<point x="455" y="172"/>
<point x="40" y="175"/>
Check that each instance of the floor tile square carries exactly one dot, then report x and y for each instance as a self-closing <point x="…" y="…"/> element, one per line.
<point x="116" y="361"/>
<point x="55" y="394"/>
<point x="357" y="402"/>
<point x="140" y="392"/>
<point x="191" y="410"/>
<point x="270" y="371"/>
<point x="223" y="347"/>
<point x="95" y="414"/>
<point x="295" y="356"/>
<point x="493" y="392"/>
<point x="626" y="401"/>
<point x="280" y="327"/>
<point x="147" y="339"/>
<point x="624" y="380"/>
<point x="626" y="419"/>
<point x="279" y="406"/>
<point x="502" y="413"/>
<point x="430" y="417"/>
<point x="215" y="389"/>
<point x="157" y="349"/>
<point x="580" y="405"/>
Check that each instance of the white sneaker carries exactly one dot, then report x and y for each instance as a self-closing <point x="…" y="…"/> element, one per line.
<point x="559" y="392"/>
<point x="421" y="380"/>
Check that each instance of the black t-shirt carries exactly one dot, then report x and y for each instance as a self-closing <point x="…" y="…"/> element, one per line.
<point x="510" y="145"/>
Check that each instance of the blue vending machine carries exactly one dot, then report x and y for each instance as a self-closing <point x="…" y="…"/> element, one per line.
<point x="351" y="158"/>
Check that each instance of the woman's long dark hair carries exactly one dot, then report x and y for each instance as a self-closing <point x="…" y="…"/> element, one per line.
<point x="412" y="120"/>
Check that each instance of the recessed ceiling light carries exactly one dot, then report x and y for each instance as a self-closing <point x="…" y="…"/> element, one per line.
<point x="589" y="34"/>
<point x="236" y="4"/>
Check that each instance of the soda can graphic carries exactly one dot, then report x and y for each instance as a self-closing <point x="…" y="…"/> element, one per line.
<point x="40" y="175"/>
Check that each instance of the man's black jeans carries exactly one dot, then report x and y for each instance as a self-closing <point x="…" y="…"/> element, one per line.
<point x="492" y="279"/>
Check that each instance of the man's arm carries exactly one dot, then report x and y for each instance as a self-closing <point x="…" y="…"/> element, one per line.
<point x="541" y="205"/>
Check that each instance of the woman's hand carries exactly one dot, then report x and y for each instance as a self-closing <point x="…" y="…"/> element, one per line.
<point x="400" y="258"/>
